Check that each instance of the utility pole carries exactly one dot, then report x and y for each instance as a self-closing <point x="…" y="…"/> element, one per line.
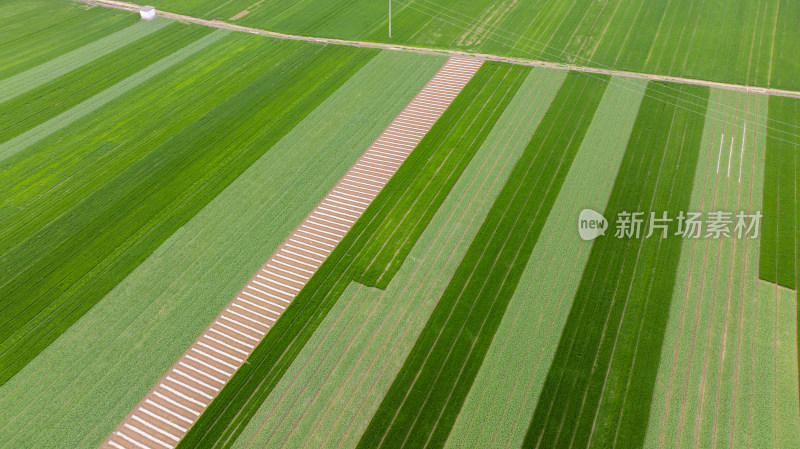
<point x="390" y="19"/>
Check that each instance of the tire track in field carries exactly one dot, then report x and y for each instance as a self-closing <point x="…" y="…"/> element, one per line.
<point x="168" y="411"/>
<point x="658" y="31"/>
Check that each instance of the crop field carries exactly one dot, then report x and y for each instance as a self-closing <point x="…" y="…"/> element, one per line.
<point x="513" y="370"/>
<point x="332" y="386"/>
<point x="599" y="385"/>
<point x="101" y="221"/>
<point x="35" y="32"/>
<point x="727" y="366"/>
<point x="397" y="227"/>
<point x="491" y="89"/>
<point x="777" y="263"/>
<point x="103" y="358"/>
<point x="422" y="403"/>
<point x="747" y="42"/>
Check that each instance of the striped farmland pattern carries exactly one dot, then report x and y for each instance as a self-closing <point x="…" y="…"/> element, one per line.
<point x="179" y="398"/>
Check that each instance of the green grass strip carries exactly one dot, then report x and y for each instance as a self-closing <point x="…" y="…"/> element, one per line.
<point x="425" y="398"/>
<point x="81" y="386"/>
<point x="597" y="392"/>
<point x="54" y="97"/>
<point x="44" y="73"/>
<point x="490" y="89"/>
<point x="77" y="112"/>
<point x="70" y="244"/>
<point x="332" y="389"/>
<point x="502" y="398"/>
<point x="779" y="245"/>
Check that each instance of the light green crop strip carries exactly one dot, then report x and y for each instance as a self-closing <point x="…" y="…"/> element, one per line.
<point x="94" y="103"/>
<point x="36" y="76"/>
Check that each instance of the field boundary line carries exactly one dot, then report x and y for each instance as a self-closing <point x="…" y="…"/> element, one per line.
<point x="452" y="53"/>
<point x="180" y="397"/>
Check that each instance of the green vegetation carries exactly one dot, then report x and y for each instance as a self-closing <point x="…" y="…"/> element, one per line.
<point x="328" y="395"/>
<point x="753" y="43"/>
<point x="62" y="93"/>
<point x="598" y="390"/>
<point x="779" y="245"/>
<point x="34" y="77"/>
<point x="502" y="398"/>
<point x="92" y="104"/>
<point x="717" y="384"/>
<point x="464" y="127"/>
<point x="429" y="165"/>
<point x="82" y="385"/>
<point x="34" y="32"/>
<point x="780" y="240"/>
<point x="420" y="407"/>
<point x="86" y="206"/>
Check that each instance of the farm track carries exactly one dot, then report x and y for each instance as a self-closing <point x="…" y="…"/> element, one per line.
<point x="182" y="394"/>
<point x="453" y="53"/>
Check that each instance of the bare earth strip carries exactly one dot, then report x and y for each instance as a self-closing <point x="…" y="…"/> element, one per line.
<point x="481" y="56"/>
<point x="177" y="400"/>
